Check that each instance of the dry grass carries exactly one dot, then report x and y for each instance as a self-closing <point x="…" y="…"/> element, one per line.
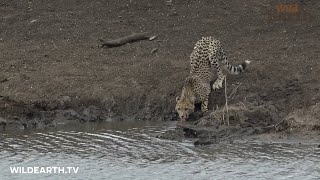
<point x="225" y="115"/>
<point x="226" y="104"/>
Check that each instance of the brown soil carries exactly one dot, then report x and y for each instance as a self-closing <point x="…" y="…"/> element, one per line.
<point x="53" y="69"/>
<point x="250" y="123"/>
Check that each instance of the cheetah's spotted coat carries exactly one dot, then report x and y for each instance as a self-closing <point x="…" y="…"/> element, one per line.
<point x="207" y="53"/>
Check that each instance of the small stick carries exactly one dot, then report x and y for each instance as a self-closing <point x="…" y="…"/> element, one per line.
<point x="234" y="91"/>
<point x="243" y="105"/>
<point x="279" y="123"/>
<point x="275" y="125"/>
<point x="226" y="97"/>
<point x="224" y="123"/>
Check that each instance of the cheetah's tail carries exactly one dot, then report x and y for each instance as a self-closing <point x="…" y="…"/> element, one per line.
<point x="236" y="69"/>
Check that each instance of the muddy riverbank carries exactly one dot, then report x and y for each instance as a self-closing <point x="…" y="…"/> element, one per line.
<point x="249" y="123"/>
<point x="53" y="70"/>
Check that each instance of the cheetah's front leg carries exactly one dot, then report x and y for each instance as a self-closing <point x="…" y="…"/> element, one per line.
<point x="204" y="104"/>
<point x="204" y="97"/>
<point x="203" y="92"/>
<point x="218" y="83"/>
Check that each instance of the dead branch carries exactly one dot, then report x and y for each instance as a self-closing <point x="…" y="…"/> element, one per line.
<point x="276" y="125"/>
<point x="224" y="122"/>
<point x="234" y="91"/>
<point x="124" y="40"/>
<point x="226" y="97"/>
<point x="243" y="105"/>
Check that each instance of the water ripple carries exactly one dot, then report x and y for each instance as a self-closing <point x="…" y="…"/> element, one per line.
<point x="135" y="152"/>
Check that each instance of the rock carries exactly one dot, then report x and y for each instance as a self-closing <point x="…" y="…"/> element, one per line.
<point x="3" y="121"/>
<point x="64" y="100"/>
<point x="14" y="125"/>
<point x="305" y="117"/>
<point x="176" y="135"/>
<point x="4" y="80"/>
<point x="93" y="114"/>
<point x="207" y="141"/>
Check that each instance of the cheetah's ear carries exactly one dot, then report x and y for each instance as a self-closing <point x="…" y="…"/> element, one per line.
<point x="177" y="98"/>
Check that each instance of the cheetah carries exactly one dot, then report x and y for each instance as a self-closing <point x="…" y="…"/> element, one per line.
<point x="206" y="53"/>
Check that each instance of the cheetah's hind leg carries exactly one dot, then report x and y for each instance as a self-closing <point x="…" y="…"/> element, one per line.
<point x="218" y="83"/>
<point x="214" y="58"/>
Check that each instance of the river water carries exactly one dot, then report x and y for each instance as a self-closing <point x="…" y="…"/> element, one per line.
<point x="127" y="150"/>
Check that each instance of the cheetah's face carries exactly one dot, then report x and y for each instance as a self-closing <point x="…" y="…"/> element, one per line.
<point x="184" y="108"/>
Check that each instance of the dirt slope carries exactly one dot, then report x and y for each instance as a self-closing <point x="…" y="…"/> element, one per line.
<point x="52" y="68"/>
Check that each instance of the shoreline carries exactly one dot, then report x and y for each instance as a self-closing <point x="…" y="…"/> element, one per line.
<point x="55" y="70"/>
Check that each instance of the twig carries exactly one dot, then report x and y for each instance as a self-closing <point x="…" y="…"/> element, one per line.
<point x="224" y="123"/>
<point x="279" y="122"/>
<point x="275" y="125"/>
<point x="154" y="50"/>
<point x="234" y="91"/>
<point x="243" y="105"/>
<point x="226" y="97"/>
<point x="152" y="38"/>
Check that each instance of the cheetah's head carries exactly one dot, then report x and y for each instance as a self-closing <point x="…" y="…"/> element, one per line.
<point x="184" y="107"/>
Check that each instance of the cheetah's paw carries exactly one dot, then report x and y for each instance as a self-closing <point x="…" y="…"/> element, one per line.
<point x="217" y="84"/>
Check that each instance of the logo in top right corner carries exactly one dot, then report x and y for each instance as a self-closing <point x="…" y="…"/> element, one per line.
<point x="288" y="12"/>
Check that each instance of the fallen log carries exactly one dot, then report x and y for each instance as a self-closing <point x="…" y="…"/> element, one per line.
<point x="124" y="40"/>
